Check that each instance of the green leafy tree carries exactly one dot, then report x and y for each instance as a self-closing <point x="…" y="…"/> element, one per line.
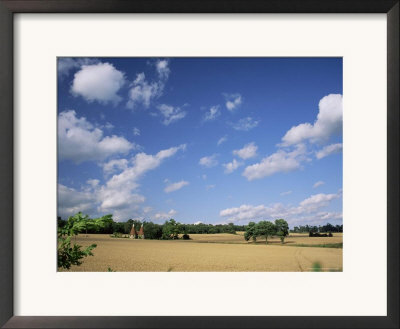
<point x="231" y="228"/>
<point x="171" y="229"/>
<point x="68" y="254"/>
<point x="102" y="225"/>
<point x="250" y="232"/>
<point x="265" y="229"/>
<point x="127" y="226"/>
<point x="282" y="229"/>
<point x="152" y="231"/>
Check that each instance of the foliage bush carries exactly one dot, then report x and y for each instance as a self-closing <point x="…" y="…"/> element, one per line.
<point x="186" y="237"/>
<point x="72" y="254"/>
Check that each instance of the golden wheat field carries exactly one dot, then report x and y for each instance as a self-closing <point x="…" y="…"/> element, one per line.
<point x="292" y="239"/>
<point x="210" y="253"/>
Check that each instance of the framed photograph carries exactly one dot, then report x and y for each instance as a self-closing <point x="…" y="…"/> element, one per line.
<point x="199" y="164"/>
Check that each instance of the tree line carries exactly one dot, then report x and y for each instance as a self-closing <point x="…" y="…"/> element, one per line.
<point x="317" y="229"/>
<point x="171" y="229"/>
<point x="156" y="231"/>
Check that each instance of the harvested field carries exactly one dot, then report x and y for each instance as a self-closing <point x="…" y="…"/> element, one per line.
<point x="191" y="256"/>
<point x="292" y="239"/>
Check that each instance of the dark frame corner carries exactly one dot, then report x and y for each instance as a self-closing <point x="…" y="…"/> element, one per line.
<point x="7" y="10"/>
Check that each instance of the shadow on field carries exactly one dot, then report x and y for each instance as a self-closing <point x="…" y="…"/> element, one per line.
<point x="271" y="242"/>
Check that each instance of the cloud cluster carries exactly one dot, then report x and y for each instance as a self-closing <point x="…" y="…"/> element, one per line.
<point x="233" y="101"/>
<point x="171" y="187"/>
<point x="79" y="140"/>
<point x="307" y="211"/>
<point x="143" y="91"/>
<point x="163" y="69"/>
<point x="101" y="82"/>
<point x="232" y="166"/>
<point x="245" y="124"/>
<point x="209" y="161"/>
<point x="212" y="113"/>
<point x="280" y="161"/>
<point x="171" y="114"/>
<point x="119" y="194"/>
<point x="292" y="152"/>
<point x="98" y="82"/>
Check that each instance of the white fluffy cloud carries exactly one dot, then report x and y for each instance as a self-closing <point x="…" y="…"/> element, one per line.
<point x="318" y="184"/>
<point x="209" y="161"/>
<point x="233" y="101"/>
<point x="328" y="150"/>
<point x="280" y="161"/>
<point x="212" y="113"/>
<point x="286" y="193"/>
<point x="232" y="166"/>
<point x="79" y="140"/>
<point x="245" y="124"/>
<point x="248" y="151"/>
<point x="171" y="187"/>
<point x="307" y="211"/>
<point x="328" y="122"/>
<point x="98" y="82"/>
<point x="171" y="114"/>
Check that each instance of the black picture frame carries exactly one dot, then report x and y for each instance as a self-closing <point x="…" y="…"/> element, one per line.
<point x="7" y="10"/>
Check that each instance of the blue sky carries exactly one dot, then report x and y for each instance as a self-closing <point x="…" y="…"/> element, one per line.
<point x="214" y="140"/>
